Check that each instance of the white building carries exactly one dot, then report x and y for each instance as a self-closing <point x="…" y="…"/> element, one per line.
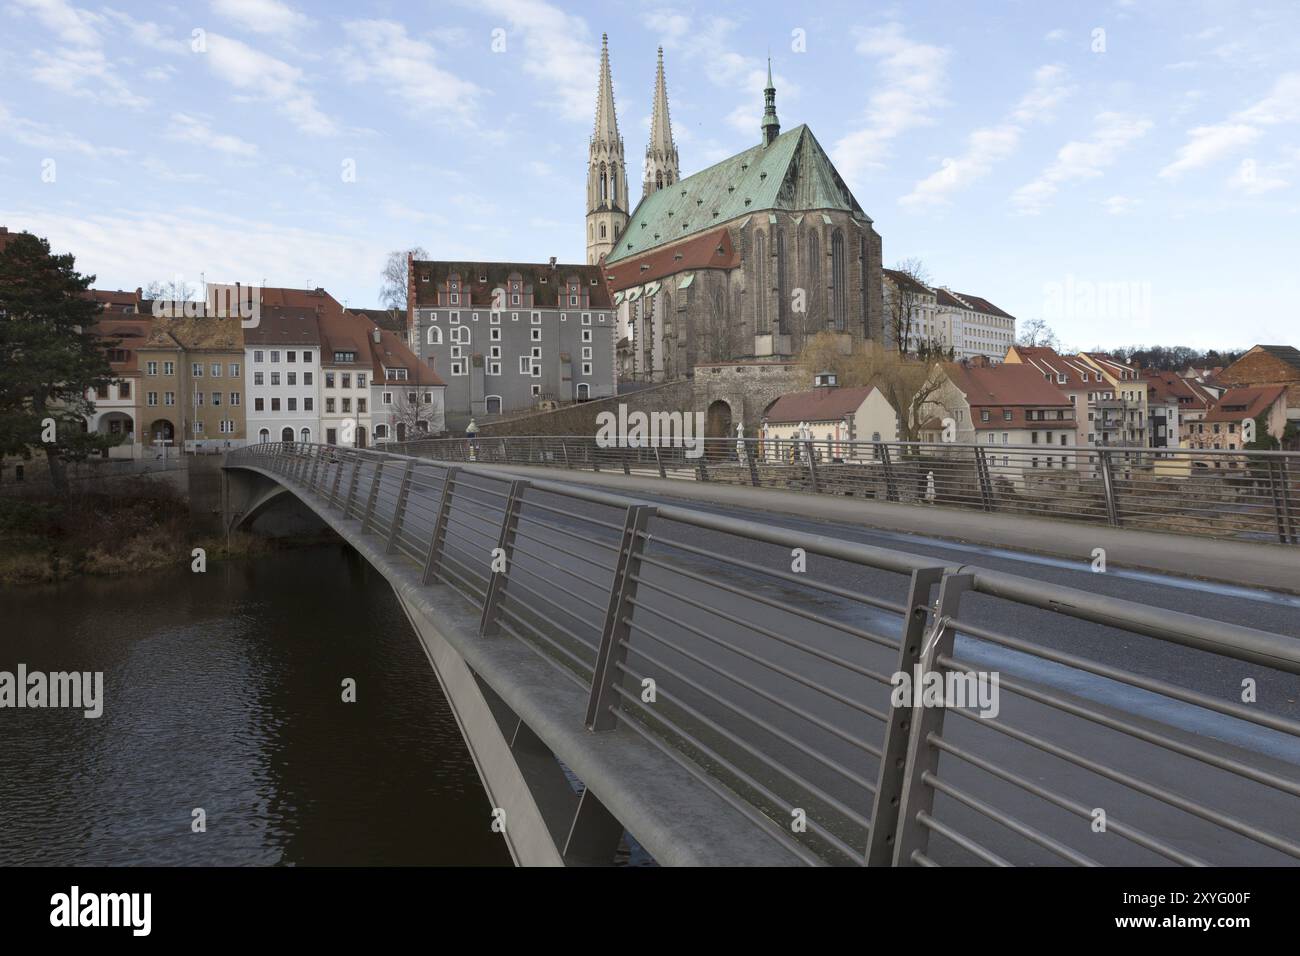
<point x="972" y="326"/>
<point x="282" y="366"/>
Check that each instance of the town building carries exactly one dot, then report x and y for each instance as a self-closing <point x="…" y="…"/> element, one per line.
<point x="1003" y="405"/>
<point x="124" y="329"/>
<point x="829" y="416"/>
<point x="972" y="326"/>
<point x="407" y="397"/>
<point x="506" y="336"/>
<point x="1120" y="408"/>
<point x="282" y="359"/>
<point x="1224" y="424"/>
<point x="345" y="378"/>
<point x="1076" y="379"/>
<point x="910" y="312"/>
<point x="1267" y="365"/>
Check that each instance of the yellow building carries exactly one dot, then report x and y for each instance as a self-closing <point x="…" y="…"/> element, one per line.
<point x="193" y="383"/>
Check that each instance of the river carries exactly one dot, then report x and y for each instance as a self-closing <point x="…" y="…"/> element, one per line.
<point x="223" y="692"/>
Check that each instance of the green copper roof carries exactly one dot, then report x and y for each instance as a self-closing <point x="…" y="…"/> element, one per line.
<point x="792" y="173"/>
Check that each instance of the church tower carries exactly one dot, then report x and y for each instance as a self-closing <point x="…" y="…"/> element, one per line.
<point x="607" y="205"/>
<point x="661" y="167"/>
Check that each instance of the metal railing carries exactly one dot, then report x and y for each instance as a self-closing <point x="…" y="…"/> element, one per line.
<point x="766" y="662"/>
<point x="1214" y="493"/>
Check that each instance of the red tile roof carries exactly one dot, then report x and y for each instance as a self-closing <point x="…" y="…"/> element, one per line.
<point x="1240" y="403"/>
<point x="999" y="388"/>
<point x="709" y="250"/>
<point x="391" y="352"/>
<point x="818" y="405"/>
<point x="479" y="279"/>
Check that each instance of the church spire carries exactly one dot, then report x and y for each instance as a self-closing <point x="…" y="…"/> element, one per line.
<point x="661" y="167"/>
<point x="607" y="204"/>
<point x="771" y="126"/>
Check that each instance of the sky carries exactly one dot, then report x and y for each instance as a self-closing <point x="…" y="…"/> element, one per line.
<point x="1128" y="170"/>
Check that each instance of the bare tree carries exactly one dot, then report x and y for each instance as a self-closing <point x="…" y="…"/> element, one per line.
<point x="392" y="293"/>
<point x="177" y="290"/>
<point x="904" y="307"/>
<point x="415" y="411"/>
<point x="908" y="384"/>
<point x="1037" y="332"/>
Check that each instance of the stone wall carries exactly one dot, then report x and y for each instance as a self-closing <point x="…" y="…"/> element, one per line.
<point x="580" y="419"/>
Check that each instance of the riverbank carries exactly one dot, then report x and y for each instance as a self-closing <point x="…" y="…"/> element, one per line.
<point x="49" y="539"/>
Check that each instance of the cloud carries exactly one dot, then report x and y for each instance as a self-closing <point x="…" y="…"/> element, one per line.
<point x="85" y="73"/>
<point x="262" y="16"/>
<point x="1082" y="159"/>
<point x="1253" y="180"/>
<point x="912" y="78"/>
<point x="990" y="145"/>
<point x="262" y="77"/>
<point x="1120" y="205"/>
<point x="1208" y="144"/>
<point x="556" y="52"/>
<point x="407" y="69"/>
<point x="189" y="129"/>
<point x="35" y="135"/>
<point x="148" y="34"/>
<point x="70" y="25"/>
<point x="1205" y="144"/>
<point x="1055" y="36"/>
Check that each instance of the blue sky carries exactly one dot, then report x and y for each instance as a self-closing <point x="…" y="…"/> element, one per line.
<point x="1128" y="170"/>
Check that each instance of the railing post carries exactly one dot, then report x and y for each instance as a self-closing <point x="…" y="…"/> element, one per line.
<point x="315" y="469"/>
<point x="1288" y="516"/>
<point x="891" y="487"/>
<point x="753" y="467"/>
<point x="564" y="446"/>
<point x="399" y="509"/>
<point x="616" y="629"/>
<point x="659" y="461"/>
<point x="438" y="539"/>
<point x="371" y="498"/>
<point x="982" y="475"/>
<point x="627" y="465"/>
<point x="702" y="470"/>
<point x="812" y="463"/>
<point x="1108" y="486"/>
<point x="506" y="544"/>
<point x="893" y="758"/>
<point x="353" y="483"/>
<point x="338" y="477"/>
<point x="917" y="796"/>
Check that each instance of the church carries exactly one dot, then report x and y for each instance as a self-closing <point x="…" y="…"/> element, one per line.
<point x="740" y="262"/>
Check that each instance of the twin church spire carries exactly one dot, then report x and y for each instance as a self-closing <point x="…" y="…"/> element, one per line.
<point x="607" y="201"/>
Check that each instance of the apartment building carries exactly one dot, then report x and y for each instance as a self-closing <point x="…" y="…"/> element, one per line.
<point x="831" y="417"/>
<point x="407" y="397"/>
<point x="1077" y="380"/>
<point x="345" y="378"/>
<point x="972" y="326"/>
<point x="1120" y="407"/>
<point x="506" y="336"/>
<point x="282" y="360"/>
<point x="1224" y="423"/>
<point x="1008" y="404"/>
<point x="911" y="311"/>
<point x="124" y="329"/>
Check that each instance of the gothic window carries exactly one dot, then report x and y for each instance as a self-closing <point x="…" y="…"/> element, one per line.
<point x="862" y="271"/>
<point x="782" y="303"/>
<point x="613" y="184"/>
<point x="839" y="294"/>
<point x="435" y="335"/>
<point x="760" y="284"/>
<point x="604" y="183"/>
<point x="659" y="180"/>
<point x="814" y="279"/>
<point x="670" y="177"/>
<point x="602" y="230"/>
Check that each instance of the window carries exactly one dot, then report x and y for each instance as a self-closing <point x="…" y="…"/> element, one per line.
<point x="455" y="318"/>
<point x="347" y="406"/>
<point x="495" y="335"/>
<point x="457" y="368"/>
<point x="347" y="380"/>
<point x="306" y="378"/>
<point x="275" y="378"/>
<point x="984" y="415"/>
<point x="361" y="406"/>
<point x="537" y="335"/>
<point x="461" y="334"/>
<point x="291" y="356"/>
<point x="275" y="357"/>
<point x="151" y="368"/>
<point x="258" y="378"/>
<point x="196" y="369"/>
<point x="329" y="380"/>
<point x="586" y="318"/>
<point x="259" y="404"/>
<point x="386" y="398"/>
<point x="216" y="398"/>
<point x="151" y="398"/>
<point x="293" y="404"/>
<point x="234" y="398"/>
<point x="124" y="390"/>
<point x="494" y="368"/>
<point x="259" y="355"/>
<point x="329" y="406"/>
<point x="586" y="335"/>
<point x="234" y="370"/>
<point x="215" y="370"/>
<point x="169" y="368"/>
<point x="198" y="398"/>
<point x="308" y="404"/>
<point x="361" y="380"/>
<point x="586" y="368"/>
<point x="292" y="378"/>
<point x="434" y="335"/>
<point x="275" y="404"/>
<point x="537" y="318"/>
<point x="525" y="365"/>
<point x="306" y="357"/>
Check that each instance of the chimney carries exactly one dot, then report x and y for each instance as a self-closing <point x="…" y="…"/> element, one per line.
<point x="375" y="336"/>
<point x="552" y="262"/>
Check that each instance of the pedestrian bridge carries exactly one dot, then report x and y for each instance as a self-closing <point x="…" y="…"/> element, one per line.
<point x="721" y="691"/>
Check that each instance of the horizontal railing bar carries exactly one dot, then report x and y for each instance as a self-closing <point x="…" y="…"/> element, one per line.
<point x="965" y="842"/>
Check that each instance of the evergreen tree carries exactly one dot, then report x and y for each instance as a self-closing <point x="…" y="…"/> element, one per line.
<point x="50" y="357"/>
